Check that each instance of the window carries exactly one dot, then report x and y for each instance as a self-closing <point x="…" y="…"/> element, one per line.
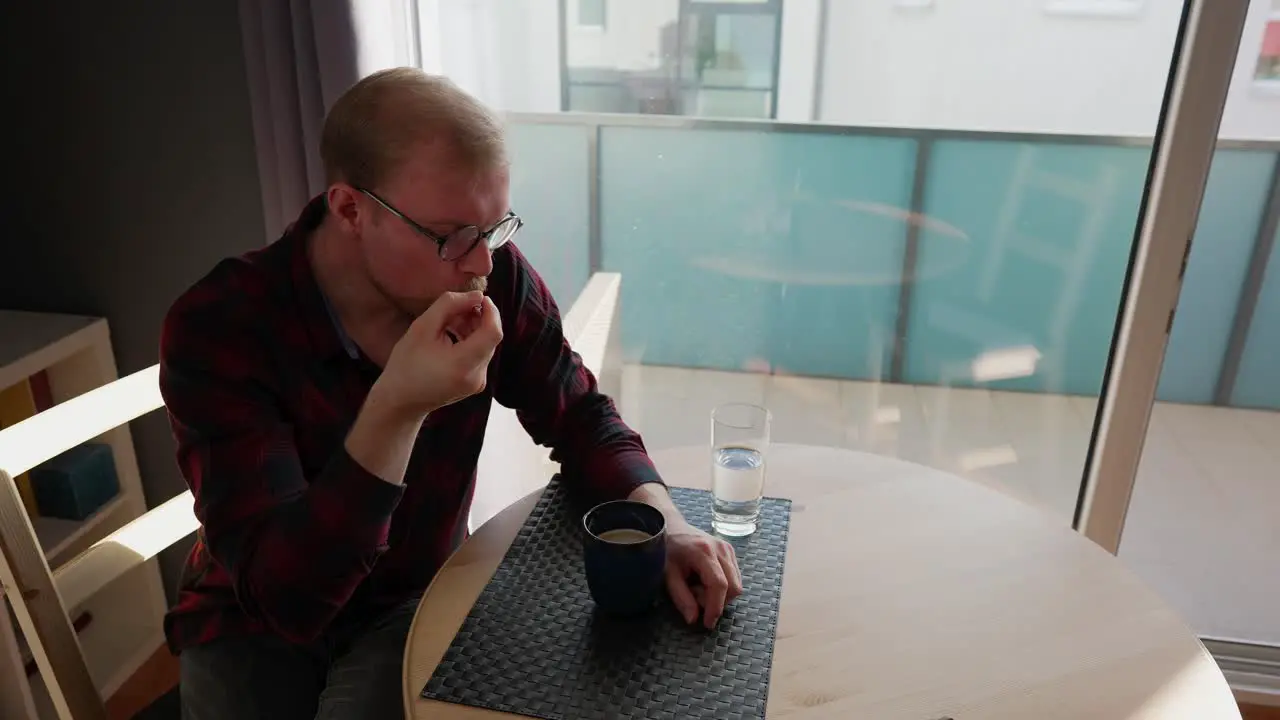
<point x="591" y="13"/>
<point x="1269" y="55"/>
<point x="677" y="57"/>
<point x="926" y="256"/>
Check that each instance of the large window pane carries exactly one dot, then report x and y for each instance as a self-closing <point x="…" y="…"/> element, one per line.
<point x="549" y="187"/>
<point x="672" y="57"/>
<point x="1258" y="383"/>
<point x="776" y="251"/>
<point x="1201" y="527"/>
<point x="928" y="259"/>
<point x="1234" y="202"/>
<point x="1019" y="277"/>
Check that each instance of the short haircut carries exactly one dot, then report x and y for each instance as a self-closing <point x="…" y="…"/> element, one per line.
<point x="373" y="126"/>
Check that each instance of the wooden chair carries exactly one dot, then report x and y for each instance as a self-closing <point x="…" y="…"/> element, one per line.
<point x="40" y="597"/>
<point x="510" y="467"/>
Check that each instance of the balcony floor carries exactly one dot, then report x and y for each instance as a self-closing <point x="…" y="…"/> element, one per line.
<point x="1202" y="527"/>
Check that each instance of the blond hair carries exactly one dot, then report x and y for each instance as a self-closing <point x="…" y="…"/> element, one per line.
<point x="372" y="127"/>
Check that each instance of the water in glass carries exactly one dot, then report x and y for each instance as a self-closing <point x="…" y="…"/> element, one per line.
<point x="737" y="486"/>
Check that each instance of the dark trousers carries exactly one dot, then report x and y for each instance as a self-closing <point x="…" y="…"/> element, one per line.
<point x="354" y="674"/>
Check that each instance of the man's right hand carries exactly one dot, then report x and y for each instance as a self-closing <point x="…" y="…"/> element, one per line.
<point x="428" y="369"/>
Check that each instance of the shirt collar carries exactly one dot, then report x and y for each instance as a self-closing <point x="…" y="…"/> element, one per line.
<point x="347" y="343"/>
<point x="318" y="316"/>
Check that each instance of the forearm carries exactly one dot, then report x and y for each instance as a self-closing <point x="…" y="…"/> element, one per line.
<point x="599" y="454"/>
<point x="301" y="561"/>
<point x="656" y="494"/>
<point x="383" y="435"/>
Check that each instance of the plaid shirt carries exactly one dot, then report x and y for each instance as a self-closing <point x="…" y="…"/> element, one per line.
<point x="261" y="387"/>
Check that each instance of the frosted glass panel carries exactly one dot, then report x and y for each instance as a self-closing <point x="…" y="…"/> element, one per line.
<point x="749" y="250"/>
<point x="1234" y="200"/>
<point x="1020" y="264"/>
<point x="1258" y="382"/>
<point x="549" y="189"/>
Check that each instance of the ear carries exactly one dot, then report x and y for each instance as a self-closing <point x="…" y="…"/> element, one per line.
<point x="345" y="206"/>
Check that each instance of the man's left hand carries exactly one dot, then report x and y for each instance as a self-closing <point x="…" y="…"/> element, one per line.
<point x="702" y="572"/>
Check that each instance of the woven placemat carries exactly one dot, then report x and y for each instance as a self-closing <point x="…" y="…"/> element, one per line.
<point x="533" y="643"/>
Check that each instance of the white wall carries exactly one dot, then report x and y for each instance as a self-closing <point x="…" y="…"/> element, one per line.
<point x="1012" y="66"/>
<point x="996" y="65"/>
<point x="798" y="59"/>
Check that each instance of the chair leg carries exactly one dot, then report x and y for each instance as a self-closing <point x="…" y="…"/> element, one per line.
<point x="28" y="585"/>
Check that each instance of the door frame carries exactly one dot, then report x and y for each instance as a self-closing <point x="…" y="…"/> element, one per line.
<point x="1204" y="58"/>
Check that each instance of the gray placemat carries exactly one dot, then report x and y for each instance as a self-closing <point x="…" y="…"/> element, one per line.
<point x="534" y="645"/>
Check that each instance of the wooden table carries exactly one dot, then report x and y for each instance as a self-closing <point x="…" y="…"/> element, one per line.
<point x="913" y="594"/>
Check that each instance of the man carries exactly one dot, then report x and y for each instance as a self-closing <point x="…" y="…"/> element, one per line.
<point x="329" y="395"/>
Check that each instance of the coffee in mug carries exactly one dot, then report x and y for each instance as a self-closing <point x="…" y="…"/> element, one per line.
<point x="624" y="555"/>
<point x="624" y="536"/>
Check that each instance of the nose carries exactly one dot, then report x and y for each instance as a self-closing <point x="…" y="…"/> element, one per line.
<point x="478" y="262"/>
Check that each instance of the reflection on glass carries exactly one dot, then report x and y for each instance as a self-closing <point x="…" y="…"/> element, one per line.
<point x="926" y="259"/>
<point x="672" y="57"/>
<point x="1201" y="528"/>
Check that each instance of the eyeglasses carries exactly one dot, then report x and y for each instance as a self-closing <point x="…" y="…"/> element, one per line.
<point x="458" y="243"/>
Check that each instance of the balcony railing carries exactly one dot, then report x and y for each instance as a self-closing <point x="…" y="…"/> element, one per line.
<point x="919" y="256"/>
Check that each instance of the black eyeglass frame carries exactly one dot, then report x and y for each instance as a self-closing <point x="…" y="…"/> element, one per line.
<point x="442" y="240"/>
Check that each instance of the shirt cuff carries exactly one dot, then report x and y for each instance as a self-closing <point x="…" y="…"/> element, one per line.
<point x="624" y="472"/>
<point x="350" y="501"/>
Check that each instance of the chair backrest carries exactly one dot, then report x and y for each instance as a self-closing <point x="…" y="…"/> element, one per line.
<point x="40" y="597"/>
<point x="511" y="465"/>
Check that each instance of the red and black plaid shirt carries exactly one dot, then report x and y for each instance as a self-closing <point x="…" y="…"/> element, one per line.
<point x="261" y="387"/>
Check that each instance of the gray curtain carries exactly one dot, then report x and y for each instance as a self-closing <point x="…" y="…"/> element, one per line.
<point x="300" y="56"/>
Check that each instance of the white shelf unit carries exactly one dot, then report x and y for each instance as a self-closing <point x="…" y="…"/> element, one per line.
<point x="127" y="615"/>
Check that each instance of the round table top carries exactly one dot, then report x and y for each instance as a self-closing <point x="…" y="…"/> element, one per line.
<point x="911" y="593"/>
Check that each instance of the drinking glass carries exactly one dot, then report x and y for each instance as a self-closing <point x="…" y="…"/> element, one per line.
<point x="739" y="448"/>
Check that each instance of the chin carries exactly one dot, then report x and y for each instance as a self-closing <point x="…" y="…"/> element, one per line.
<point x="413" y="308"/>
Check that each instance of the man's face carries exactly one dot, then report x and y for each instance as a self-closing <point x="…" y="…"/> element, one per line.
<point x="405" y="265"/>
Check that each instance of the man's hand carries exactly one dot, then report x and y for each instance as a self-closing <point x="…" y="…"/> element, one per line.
<point x="693" y="555"/>
<point x="444" y="356"/>
<point x="427" y="370"/>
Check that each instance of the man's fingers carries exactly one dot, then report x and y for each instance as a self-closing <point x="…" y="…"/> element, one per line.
<point x="729" y="563"/>
<point x="465" y="323"/>
<point x="681" y="597"/>
<point x="715" y="584"/>
<point x="451" y="304"/>
<point x="448" y="315"/>
<point x="486" y="332"/>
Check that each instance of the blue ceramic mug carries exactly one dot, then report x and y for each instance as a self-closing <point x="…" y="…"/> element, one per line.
<point x="625" y="552"/>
